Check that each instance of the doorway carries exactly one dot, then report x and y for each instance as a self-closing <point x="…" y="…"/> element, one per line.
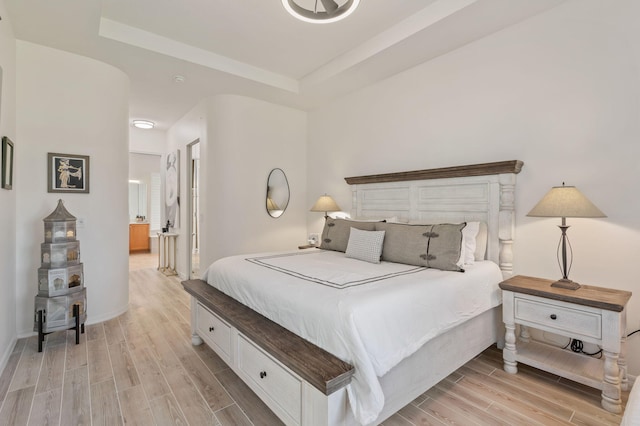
<point x="193" y="205"/>
<point x="144" y="201"/>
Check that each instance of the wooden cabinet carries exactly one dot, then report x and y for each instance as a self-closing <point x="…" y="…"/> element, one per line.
<point x="591" y="314"/>
<point x="138" y="237"/>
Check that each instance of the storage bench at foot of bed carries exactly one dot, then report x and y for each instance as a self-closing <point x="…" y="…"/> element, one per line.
<point x="301" y="383"/>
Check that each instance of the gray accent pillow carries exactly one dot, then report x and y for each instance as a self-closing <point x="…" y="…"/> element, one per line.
<point x="335" y="235"/>
<point x="432" y="246"/>
<point x="445" y="243"/>
<point x="404" y="243"/>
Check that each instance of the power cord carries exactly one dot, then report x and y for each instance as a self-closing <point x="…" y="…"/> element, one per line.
<point x="578" y="347"/>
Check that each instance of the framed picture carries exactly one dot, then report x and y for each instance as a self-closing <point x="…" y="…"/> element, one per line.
<point x="68" y="173"/>
<point x="7" y="163"/>
<point x="172" y="189"/>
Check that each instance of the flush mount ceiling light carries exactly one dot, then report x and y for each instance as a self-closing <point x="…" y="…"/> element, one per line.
<point x="143" y="124"/>
<point x="331" y="10"/>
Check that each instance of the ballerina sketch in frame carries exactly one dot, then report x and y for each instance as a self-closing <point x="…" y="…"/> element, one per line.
<point x="65" y="171"/>
<point x="68" y="173"/>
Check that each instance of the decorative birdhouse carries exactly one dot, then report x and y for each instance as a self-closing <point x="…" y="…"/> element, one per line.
<point x="62" y="297"/>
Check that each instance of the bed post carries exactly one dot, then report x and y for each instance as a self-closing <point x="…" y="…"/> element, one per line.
<point x="506" y="219"/>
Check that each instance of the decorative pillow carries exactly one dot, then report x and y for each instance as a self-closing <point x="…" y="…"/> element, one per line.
<point x="433" y="246"/>
<point x="335" y="234"/>
<point x="474" y="242"/>
<point x="404" y="243"/>
<point x="365" y="245"/>
<point x="445" y="242"/>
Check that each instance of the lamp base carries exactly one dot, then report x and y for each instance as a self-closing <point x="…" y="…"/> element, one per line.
<point x="566" y="283"/>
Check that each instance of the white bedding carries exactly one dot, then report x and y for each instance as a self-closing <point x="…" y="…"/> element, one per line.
<point x="631" y="415"/>
<point x="392" y="311"/>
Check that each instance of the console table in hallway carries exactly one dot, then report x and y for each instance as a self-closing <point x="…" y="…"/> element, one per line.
<point x="167" y="253"/>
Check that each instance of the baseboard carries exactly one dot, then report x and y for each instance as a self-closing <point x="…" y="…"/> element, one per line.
<point x="7" y="353"/>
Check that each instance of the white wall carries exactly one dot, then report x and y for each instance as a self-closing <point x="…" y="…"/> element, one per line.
<point x="147" y="141"/>
<point x="74" y="105"/>
<point x="8" y="197"/>
<point x="560" y="91"/>
<point x="241" y="141"/>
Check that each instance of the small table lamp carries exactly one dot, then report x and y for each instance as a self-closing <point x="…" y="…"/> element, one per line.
<point x="565" y="201"/>
<point x="325" y="204"/>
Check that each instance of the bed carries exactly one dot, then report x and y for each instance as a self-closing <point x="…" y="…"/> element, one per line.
<point x="631" y="415"/>
<point x="382" y="318"/>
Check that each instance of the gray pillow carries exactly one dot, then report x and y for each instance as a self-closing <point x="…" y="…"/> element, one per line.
<point x="445" y="243"/>
<point x="433" y="246"/>
<point x="404" y="243"/>
<point x="335" y="235"/>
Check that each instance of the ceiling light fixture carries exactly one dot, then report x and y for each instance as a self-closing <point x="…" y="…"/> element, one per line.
<point x="331" y="11"/>
<point x="143" y="124"/>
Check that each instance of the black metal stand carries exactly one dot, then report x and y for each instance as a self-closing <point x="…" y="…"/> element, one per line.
<point x="565" y="282"/>
<point x="40" y="333"/>
<point x="79" y="328"/>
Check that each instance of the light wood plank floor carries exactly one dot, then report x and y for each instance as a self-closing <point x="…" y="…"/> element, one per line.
<point x="141" y="368"/>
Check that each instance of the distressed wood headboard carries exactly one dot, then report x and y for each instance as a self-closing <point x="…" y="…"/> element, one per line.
<point x="478" y="192"/>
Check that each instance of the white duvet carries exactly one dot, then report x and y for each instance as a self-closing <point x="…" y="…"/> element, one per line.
<point x="370" y="315"/>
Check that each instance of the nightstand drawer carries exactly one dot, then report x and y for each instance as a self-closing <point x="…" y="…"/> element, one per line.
<point x="554" y="317"/>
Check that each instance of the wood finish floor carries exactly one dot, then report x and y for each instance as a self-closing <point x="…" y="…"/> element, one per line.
<point x="141" y="369"/>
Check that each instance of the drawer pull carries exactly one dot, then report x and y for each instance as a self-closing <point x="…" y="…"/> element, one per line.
<point x="553" y="316"/>
<point x="263" y="374"/>
<point x="211" y="328"/>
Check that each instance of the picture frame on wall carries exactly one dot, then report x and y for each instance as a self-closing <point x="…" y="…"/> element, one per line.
<point x="172" y="189"/>
<point x="7" y="163"/>
<point x="68" y="173"/>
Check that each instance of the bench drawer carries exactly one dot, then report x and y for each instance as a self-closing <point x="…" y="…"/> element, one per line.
<point x="214" y="331"/>
<point x="271" y="377"/>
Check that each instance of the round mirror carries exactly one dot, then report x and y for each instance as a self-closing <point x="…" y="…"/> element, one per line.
<point x="277" y="193"/>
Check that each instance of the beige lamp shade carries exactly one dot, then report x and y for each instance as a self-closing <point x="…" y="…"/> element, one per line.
<point x="565" y="201"/>
<point x="325" y="204"/>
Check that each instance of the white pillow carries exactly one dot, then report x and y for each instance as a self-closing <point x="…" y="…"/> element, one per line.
<point x="481" y="242"/>
<point x="365" y="245"/>
<point x="388" y="219"/>
<point x="469" y="234"/>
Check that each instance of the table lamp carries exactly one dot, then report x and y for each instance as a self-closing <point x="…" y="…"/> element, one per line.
<point x="325" y="204"/>
<point x="565" y="201"/>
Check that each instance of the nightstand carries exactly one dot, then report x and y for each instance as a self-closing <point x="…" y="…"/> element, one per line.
<point x="591" y="314"/>
<point x="307" y="246"/>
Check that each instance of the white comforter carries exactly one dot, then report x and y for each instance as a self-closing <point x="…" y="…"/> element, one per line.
<point x="383" y="313"/>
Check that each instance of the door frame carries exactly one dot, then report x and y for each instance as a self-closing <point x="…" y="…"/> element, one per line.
<point x="190" y="226"/>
